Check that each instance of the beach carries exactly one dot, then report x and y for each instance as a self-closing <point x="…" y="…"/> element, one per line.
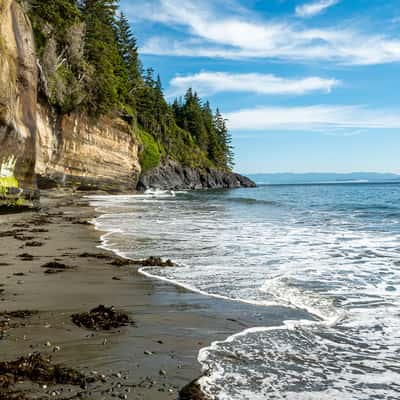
<point x="152" y="359"/>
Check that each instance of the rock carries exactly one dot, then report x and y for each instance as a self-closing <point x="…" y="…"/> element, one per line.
<point x="149" y="262"/>
<point x="173" y="176"/>
<point x="108" y="161"/>
<point x="192" y="391"/>
<point x="18" y="96"/>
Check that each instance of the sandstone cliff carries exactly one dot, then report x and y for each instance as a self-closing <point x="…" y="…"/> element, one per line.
<point x="74" y="150"/>
<point x="18" y="94"/>
<point x="40" y="148"/>
<point x="37" y="143"/>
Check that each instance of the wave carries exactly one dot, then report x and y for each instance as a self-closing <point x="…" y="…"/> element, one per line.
<point x="344" y="275"/>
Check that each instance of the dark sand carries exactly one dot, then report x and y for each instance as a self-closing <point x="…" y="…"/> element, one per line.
<point x="153" y="359"/>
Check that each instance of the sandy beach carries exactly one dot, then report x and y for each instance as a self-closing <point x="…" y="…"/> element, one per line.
<point x="152" y="359"/>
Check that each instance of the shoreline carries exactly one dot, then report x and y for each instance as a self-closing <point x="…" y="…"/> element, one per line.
<point x="156" y="358"/>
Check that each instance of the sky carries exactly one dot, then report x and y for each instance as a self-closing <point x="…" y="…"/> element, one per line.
<point x="306" y="85"/>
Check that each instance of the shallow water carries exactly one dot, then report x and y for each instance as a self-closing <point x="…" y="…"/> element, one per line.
<point x="332" y="250"/>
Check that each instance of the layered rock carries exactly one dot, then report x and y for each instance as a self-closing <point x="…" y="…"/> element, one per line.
<point x="75" y="150"/>
<point x="18" y="94"/>
<point x="171" y="175"/>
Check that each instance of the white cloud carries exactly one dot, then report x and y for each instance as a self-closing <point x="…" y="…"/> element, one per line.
<point x="209" y="33"/>
<point x="314" y="8"/>
<point x="206" y="83"/>
<point x="322" y="118"/>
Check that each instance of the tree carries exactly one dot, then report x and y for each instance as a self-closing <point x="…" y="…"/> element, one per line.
<point x="224" y="141"/>
<point x="128" y="51"/>
<point x="193" y="119"/>
<point x="102" y="53"/>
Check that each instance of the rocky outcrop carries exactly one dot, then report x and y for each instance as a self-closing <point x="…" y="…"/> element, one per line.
<point x="35" y="142"/>
<point x="88" y="154"/>
<point x="171" y="175"/>
<point x="18" y="94"/>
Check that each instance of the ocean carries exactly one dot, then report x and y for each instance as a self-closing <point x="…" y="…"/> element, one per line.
<point x="332" y="250"/>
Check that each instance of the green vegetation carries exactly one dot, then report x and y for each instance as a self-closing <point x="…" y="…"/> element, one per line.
<point x="151" y="153"/>
<point x="90" y="63"/>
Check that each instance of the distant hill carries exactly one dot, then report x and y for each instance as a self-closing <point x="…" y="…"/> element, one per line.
<point x="310" y="178"/>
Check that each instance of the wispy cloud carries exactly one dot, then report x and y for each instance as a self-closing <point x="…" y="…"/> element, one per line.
<point x="206" y="32"/>
<point x="321" y="118"/>
<point x="314" y="8"/>
<point x="206" y="83"/>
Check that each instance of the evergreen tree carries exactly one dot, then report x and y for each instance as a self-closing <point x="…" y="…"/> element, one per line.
<point x="193" y="119"/>
<point x="129" y="53"/>
<point x="224" y="141"/>
<point x="58" y="14"/>
<point x="102" y="53"/>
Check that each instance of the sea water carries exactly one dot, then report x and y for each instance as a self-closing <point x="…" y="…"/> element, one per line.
<point x="332" y="250"/>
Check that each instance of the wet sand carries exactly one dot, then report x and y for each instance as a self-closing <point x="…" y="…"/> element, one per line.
<point x="153" y="359"/>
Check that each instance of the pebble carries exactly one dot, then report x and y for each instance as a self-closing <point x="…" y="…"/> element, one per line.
<point x="163" y="372"/>
<point x="148" y="353"/>
<point x="48" y="344"/>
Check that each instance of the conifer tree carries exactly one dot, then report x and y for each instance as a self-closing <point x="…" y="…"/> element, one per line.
<point x="128" y="50"/>
<point x="102" y="53"/>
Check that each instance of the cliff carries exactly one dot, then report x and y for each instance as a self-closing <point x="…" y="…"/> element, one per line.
<point x="41" y="147"/>
<point x="74" y="150"/>
<point x="18" y="94"/>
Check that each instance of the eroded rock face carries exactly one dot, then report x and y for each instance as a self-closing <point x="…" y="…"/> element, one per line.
<point x="18" y="94"/>
<point x="60" y="150"/>
<point x="171" y="175"/>
<point x="75" y="150"/>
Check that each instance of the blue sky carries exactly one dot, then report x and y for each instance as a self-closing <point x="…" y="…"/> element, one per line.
<point x="306" y="85"/>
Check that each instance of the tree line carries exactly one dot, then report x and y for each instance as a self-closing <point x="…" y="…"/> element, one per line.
<point x="90" y="62"/>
